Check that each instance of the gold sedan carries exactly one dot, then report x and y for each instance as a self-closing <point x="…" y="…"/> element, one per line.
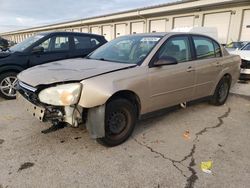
<point x="127" y="78"/>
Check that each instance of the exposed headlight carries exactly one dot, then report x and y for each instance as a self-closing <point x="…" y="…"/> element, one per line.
<point x="61" y="95"/>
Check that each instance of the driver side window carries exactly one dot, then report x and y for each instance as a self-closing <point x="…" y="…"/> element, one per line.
<point x="177" y="48"/>
<point x="45" y="45"/>
<point x="55" y="44"/>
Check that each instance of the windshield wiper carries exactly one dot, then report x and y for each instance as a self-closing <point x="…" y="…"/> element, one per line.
<point x="100" y="59"/>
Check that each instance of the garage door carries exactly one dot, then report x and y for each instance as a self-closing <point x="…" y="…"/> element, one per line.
<point x="221" y="21"/>
<point x="137" y="27"/>
<point x="76" y="30"/>
<point x="187" y="21"/>
<point x="85" y="30"/>
<point x="107" y="32"/>
<point x="157" y="26"/>
<point x="120" y="30"/>
<point x="95" y="30"/>
<point x="245" y="31"/>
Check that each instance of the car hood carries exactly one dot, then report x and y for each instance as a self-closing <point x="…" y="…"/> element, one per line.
<point x="244" y="54"/>
<point x="68" y="70"/>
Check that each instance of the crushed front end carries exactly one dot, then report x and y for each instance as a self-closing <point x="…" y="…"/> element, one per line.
<point x="245" y="70"/>
<point x="29" y="97"/>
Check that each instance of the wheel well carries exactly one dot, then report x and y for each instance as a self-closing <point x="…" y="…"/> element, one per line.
<point x="229" y="77"/>
<point x="130" y="96"/>
<point x="10" y="70"/>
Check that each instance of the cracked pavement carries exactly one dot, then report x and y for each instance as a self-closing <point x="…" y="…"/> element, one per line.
<point x="157" y="154"/>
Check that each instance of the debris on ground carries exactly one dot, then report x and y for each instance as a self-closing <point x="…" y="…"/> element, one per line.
<point x="186" y="135"/>
<point x="25" y="166"/>
<point x="207" y="166"/>
<point x="1" y="141"/>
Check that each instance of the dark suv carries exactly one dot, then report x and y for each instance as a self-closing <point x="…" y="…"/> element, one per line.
<point x="43" y="48"/>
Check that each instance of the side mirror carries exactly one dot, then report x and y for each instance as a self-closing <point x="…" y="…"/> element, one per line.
<point x="165" y="60"/>
<point x="38" y="49"/>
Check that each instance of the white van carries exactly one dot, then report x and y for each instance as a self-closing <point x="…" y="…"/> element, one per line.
<point x="209" y="31"/>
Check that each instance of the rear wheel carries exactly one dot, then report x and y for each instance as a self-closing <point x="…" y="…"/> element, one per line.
<point x="8" y="83"/>
<point x="120" y="119"/>
<point x="222" y="91"/>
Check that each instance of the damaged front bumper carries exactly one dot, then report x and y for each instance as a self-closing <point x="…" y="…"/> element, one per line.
<point x="73" y="115"/>
<point x="70" y="115"/>
<point x="28" y="96"/>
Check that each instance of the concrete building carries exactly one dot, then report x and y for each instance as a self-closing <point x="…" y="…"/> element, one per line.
<point x="230" y="17"/>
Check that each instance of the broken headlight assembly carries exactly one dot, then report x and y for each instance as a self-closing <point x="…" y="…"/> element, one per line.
<point x="61" y="95"/>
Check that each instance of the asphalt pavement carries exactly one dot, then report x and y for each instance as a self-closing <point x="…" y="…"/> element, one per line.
<point x="164" y="151"/>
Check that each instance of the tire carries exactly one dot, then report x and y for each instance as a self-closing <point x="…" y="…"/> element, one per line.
<point x="120" y="120"/>
<point x="7" y="85"/>
<point x="221" y="92"/>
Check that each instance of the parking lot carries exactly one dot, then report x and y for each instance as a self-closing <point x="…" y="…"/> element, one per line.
<point x="164" y="151"/>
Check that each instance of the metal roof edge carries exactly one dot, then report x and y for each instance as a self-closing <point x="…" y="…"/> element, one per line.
<point x="79" y="21"/>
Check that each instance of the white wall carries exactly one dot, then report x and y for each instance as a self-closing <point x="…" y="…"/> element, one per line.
<point x="231" y="23"/>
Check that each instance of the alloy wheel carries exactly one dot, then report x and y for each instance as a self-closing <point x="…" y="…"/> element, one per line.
<point x="8" y="86"/>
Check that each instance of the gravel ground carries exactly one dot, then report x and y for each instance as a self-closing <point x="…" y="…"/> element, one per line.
<point x="157" y="155"/>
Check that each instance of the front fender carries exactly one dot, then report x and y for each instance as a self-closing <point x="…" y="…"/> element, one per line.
<point x="94" y="94"/>
<point x="96" y="91"/>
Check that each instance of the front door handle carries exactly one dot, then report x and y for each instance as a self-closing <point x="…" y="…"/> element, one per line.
<point x="190" y="69"/>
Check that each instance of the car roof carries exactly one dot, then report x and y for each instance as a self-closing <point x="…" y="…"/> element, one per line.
<point x="68" y="32"/>
<point x="167" y="33"/>
<point x="151" y="34"/>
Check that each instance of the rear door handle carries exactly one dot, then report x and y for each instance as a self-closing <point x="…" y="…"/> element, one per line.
<point x="190" y="69"/>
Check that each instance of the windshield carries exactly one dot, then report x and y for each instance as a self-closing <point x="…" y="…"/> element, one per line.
<point x="235" y="45"/>
<point x="128" y="49"/>
<point x="26" y="43"/>
<point x="246" y="47"/>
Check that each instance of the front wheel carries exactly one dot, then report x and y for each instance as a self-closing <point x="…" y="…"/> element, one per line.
<point x="221" y="92"/>
<point x="8" y="83"/>
<point x="120" y="119"/>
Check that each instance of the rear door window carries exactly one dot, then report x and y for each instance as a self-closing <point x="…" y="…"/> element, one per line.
<point x="204" y="47"/>
<point x="85" y="42"/>
<point x="94" y="42"/>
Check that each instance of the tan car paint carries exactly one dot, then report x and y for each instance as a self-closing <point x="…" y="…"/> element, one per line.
<point x="97" y="90"/>
<point x="156" y="87"/>
<point x="67" y="70"/>
<point x="160" y="87"/>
